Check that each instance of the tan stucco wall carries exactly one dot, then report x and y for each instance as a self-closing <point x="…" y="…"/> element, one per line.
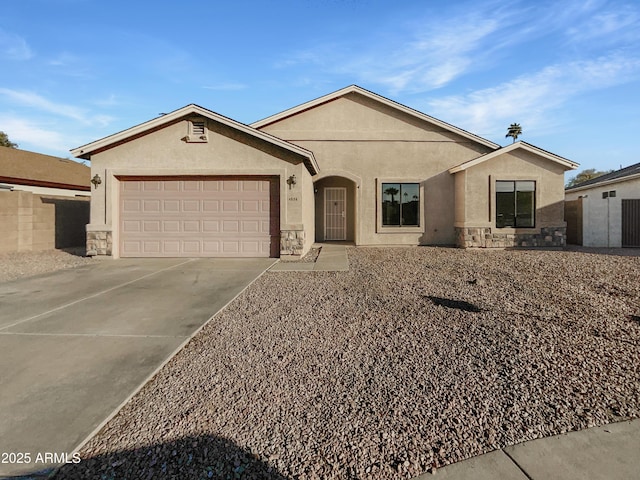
<point x="357" y="137"/>
<point x="602" y="217"/>
<point x="476" y="186"/>
<point x="164" y="152"/>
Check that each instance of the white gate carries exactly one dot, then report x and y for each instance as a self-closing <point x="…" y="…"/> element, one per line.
<point x="335" y="213"/>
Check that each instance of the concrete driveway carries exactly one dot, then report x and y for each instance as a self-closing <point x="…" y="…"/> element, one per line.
<point x="76" y="344"/>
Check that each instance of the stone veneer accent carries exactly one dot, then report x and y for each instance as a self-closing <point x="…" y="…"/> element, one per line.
<point x="99" y="243"/>
<point x="487" y="237"/>
<point x="291" y="242"/>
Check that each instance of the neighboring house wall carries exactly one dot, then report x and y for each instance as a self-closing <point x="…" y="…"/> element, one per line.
<point x="41" y="222"/>
<point x="163" y="152"/>
<point x="602" y="217"/>
<point x="361" y="143"/>
<point x="475" y="196"/>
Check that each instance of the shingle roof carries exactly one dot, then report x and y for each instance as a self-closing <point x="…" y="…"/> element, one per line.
<point x="612" y="177"/>
<point x="29" y="168"/>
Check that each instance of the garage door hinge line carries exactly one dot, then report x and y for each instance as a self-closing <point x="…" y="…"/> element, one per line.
<point x="94" y="295"/>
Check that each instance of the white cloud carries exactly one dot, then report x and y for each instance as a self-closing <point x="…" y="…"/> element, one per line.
<point x="24" y="132"/>
<point x="531" y="99"/>
<point x="31" y="99"/>
<point x="427" y="53"/>
<point x="14" y="47"/>
<point x="608" y="26"/>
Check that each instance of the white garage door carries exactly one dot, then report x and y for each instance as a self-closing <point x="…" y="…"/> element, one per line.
<point x="215" y="217"/>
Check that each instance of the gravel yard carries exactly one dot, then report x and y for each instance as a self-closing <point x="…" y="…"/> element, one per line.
<point x="414" y="359"/>
<point x="15" y="265"/>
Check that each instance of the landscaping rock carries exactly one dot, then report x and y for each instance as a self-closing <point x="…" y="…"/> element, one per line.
<point x="397" y="367"/>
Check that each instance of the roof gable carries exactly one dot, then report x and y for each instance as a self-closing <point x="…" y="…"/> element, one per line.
<point x="22" y="167"/>
<point x="627" y="173"/>
<point x="567" y="164"/>
<point x="375" y="97"/>
<point x="111" y="141"/>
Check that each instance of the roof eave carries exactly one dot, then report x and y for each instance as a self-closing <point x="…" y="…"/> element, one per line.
<point x="602" y="184"/>
<point x="567" y="164"/>
<point x="356" y="89"/>
<point x="85" y="151"/>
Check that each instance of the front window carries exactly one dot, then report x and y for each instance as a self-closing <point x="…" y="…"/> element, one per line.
<point x="401" y="204"/>
<point x="515" y="203"/>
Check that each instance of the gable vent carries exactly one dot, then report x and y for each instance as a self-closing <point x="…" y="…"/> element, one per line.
<point x="197" y="128"/>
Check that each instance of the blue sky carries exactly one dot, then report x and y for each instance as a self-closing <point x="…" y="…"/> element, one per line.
<point x="74" y="71"/>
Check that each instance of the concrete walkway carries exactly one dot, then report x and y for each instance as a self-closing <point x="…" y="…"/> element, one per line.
<point x="611" y="452"/>
<point x="76" y="344"/>
<point x="332" y="258"/>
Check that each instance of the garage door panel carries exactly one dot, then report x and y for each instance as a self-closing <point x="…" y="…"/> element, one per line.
<point x="132" y="205"/>
<point x="211" y="206"/>
<point x="210" y="226"/>
<point x="171" y="206"/>
<point x="251" y="186"/>
<point x="210" y="247"/>
<point x="211" y="186"/>
<point x="191" y="226"/>
<point x="230" y="186"/>
<point x="171" y="247"/>
<point x="191" y="186"/>
<point x="191" y="206"/>
<point x="171" y="226"/>
<point x="230" y="206"/>
<point x="171" y="186"/>
<point x="251" y="226"/>
<point x="131" y="247"/>
<point x="131" y="226"/>
<point x="205" y="217"/>
<point x="230" y="226"/>
<point x="150" y="246"/>
<point x="192" y="247"/>
<point x="151" y="206"/>
<point x="150" y="186"/>
<point x="151" y="226"/>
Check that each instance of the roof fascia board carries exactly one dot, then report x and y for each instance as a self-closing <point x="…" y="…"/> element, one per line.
<point x="568" y="164"/>
<point x="86" y="150"/>
<point x="603" y="183"/>
<point x="43" y="183"/>
<point x="374" y="96"/>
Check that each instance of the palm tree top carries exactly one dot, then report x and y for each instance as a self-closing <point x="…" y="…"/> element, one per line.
<point x="515" y="130"/>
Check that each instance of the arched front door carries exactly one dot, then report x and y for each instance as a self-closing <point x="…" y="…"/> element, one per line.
<point x="335" y="209"/>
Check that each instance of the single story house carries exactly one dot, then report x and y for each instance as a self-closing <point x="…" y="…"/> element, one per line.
<point x="349" y="166"/>
<point x="44" y="201"/>
<point x="605" y="211"/>
<point x="42" y="174"/>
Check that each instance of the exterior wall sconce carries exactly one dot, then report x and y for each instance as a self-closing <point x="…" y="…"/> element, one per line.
<point x="96" y="180"/>
<point x="291" y="181"/>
